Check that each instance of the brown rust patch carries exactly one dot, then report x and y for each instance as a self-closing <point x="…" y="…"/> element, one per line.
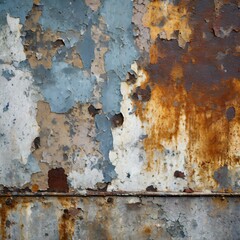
<point x="57" y="180"/>
<point x="179" y="174"/>
<point x="131" y="79"/>
<point x="220" y="202"/>
<point x="110" y="200"/>
<point x="142" y="94"/>
<point x="191" y="89"/>
<point x="65" y="227"/>
<point x="7" y="205"/>
<point x="69" y="214"/>
<point x="151" y="188"/>
<point x="35" y="188"/>
<point x="188" y="190"/>
<point x="93" y="111"/>
<point x="117" y="120"/>
<point x="147" y="230"/>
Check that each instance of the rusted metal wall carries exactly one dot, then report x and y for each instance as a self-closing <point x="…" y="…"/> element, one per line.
<point x="104" y="97"/>
<point x="120" y="218"/>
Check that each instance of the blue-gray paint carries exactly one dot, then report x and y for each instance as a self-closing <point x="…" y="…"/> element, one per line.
<point x="69" y="18"/>
<point x="118" y="60"/>
<point x="45" y="217"/>
<point x="8" y="74"/>
<point x="86" y="49"/>
<point x="122" y="51"/>
<point x="104" y="136"/>
<point x="15" y="8"/>
<point x="221" y="175"/>
<point x="121" y="55"/>
<point x="17" y="174"/>
<point x="111" y="94"/>
<point x="64" y="15"/>
<point x="65" y="85"/>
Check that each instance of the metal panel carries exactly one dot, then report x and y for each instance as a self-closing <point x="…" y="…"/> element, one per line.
<point x="130" y="96"/>
<point x="118" y="98"/>
<point x="120" y="218"/>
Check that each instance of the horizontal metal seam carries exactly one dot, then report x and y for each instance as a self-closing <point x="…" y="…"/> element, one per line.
<point x="119" y="194"/>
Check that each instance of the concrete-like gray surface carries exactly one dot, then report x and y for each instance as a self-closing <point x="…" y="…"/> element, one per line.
<point x="121" y="218"/>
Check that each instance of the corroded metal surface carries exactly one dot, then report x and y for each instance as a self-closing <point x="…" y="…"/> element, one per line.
<point x="107" y="106"/>
<point x="132" y="96"/>
<point x="119" y="218"/>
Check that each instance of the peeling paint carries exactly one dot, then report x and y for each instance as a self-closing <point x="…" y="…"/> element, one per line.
<point x="113" y="99"/>
<point x="11" y="44"/>
<point x="131" y="96"/>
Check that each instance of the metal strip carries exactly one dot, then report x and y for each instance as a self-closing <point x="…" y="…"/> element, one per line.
<point x="120" y="194"/>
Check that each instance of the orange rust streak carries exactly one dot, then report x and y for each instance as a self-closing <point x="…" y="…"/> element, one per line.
<point x="7" y="205"/>
<point x="66" y="223"/>
<point x="161" y="115"/>
<point x="204" y="104"/>
<point x="35" y="188"/>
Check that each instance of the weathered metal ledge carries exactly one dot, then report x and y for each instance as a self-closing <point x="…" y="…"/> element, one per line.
<point x="120" y="194"/>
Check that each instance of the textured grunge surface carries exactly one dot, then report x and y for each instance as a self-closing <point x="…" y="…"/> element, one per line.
<point x="107" y="97"/>
<point x="117" y="218"/>
<point x="119" y="95"/>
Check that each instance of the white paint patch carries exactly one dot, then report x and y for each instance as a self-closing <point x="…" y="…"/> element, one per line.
<point x="10" y="41"/>
<point x="85" y="180"/>
<point x="18" y="103"/>
<point x="128" y="154"/>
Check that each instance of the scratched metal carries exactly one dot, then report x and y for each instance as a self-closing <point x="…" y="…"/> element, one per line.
<point x="126" y="96"/>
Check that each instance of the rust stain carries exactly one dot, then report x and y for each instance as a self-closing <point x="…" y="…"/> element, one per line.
<point x="117" y="120"/>
<point x="191" y="88"/>
<point x="66" y="222"/>
<point x="93" y="111"/>
<point x="142" y="94"/>
<point x="168" y="21"/>
<point x="147" y="230"/>
<point x="220" y="202"/>
<point x="179" y="174"/>
<point x="151" y="188"/>
<point x="188" y="190"/>
<point x="7" y="205"/>
<point x="101" y="223"/>
<point x="35" y="188"/>
<point x="57" y="180"/>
